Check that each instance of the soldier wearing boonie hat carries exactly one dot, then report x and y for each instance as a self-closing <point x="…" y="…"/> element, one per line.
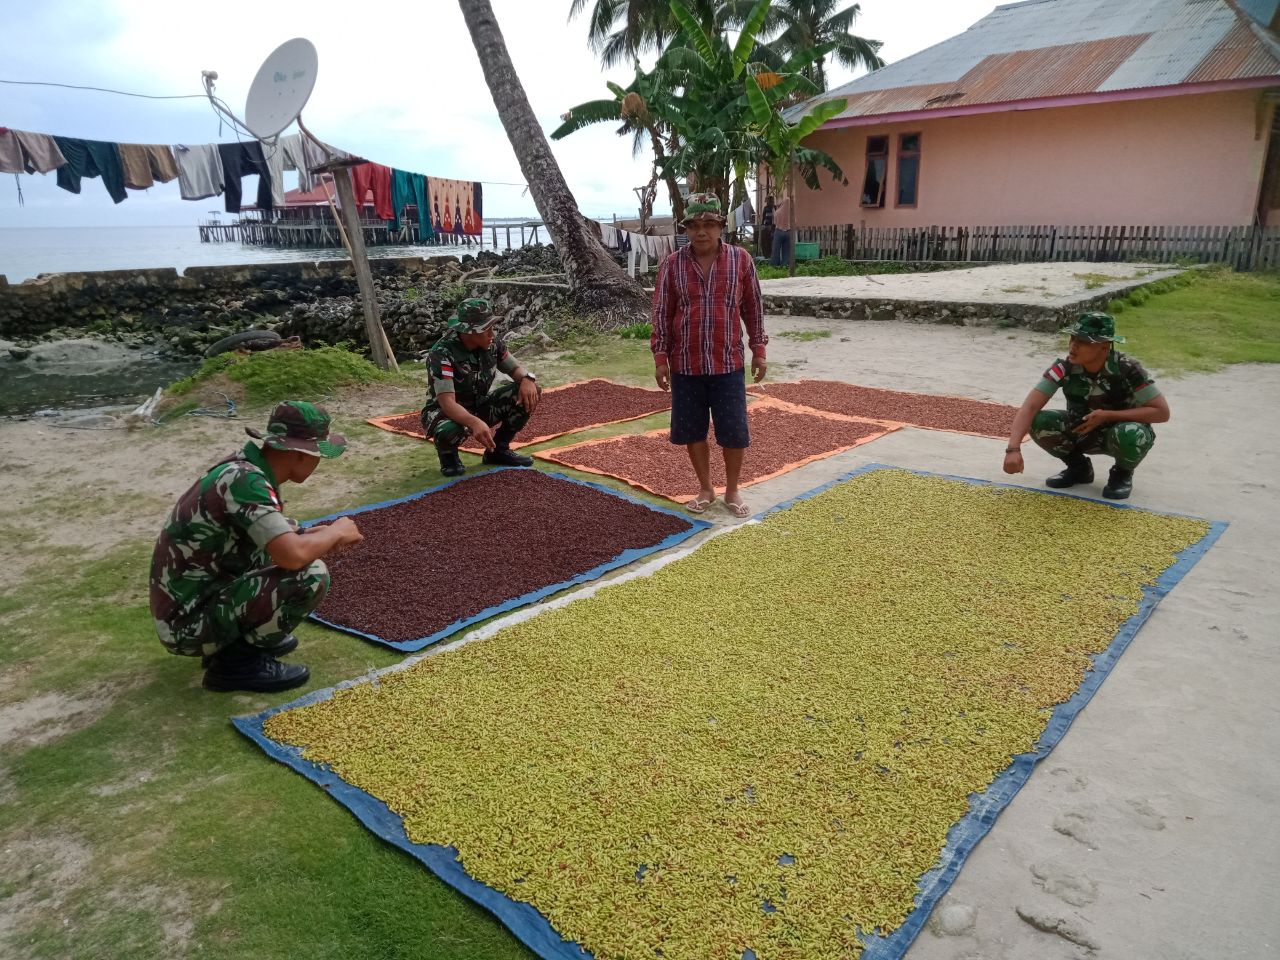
<point x="460" y="371"/>
<point x="231" y="576"/>
<point x="1111" y="404"/>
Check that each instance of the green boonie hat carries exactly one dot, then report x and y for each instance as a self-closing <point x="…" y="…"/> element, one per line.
<point x="702" y="206"/>
<point x="473" y="316"/>
<point x="298" y="425"/>
<point x="1096" y="328"/>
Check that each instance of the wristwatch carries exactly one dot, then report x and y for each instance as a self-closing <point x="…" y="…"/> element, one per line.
<point x="528" y="376"/>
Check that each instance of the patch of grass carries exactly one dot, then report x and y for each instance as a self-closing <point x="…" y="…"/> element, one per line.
<point x="270" y="376"/>
<point x="1017" y="289"/>
<point x="636" y="331"/>
<point x="804" y="336"/>
<point x="1094" y="280"/>
<point x="1205" y="320"/>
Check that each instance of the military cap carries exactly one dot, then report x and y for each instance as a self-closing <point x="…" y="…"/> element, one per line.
<point x="702" y="206"/>
<point x="1096" y="328"/>
<point x="473" y="316"/>
<point x="298" y="425"/>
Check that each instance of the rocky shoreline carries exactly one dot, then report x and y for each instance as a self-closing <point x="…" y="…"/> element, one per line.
<point x="180" y="315"/>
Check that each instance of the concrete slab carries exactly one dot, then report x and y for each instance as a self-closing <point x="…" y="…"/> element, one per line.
<point x="1039" y="296"/>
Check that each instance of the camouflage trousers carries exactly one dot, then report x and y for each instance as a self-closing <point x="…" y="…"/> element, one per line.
<point x="1127" y="442"/>
<point x="262" y="608"/>
<point x="500" y="407"/>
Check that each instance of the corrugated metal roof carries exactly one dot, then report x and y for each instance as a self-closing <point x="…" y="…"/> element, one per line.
<point x="1056" y="48"/>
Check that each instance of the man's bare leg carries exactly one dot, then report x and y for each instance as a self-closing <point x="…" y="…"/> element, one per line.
<point x="700" y="457"/>
<point x="733" y="470"/>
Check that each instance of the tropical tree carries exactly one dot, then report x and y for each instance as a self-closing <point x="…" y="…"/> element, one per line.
<point x="703" y="104"/>
<point x="600" y="288"/>
<point x="640" y="107"/>
<point x="620" y="30"/>
<point x="798" y="25"/>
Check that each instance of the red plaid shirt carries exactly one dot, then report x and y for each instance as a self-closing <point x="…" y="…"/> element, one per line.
<point x="697" y="320"/>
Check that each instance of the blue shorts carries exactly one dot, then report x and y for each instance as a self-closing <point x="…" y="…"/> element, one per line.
<point x="698" y="399"/>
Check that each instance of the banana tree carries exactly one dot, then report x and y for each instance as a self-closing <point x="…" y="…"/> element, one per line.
<point x="640" y="105"/>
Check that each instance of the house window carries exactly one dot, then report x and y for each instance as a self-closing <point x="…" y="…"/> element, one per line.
<point x="908" y="169"/>
<point x="877" y="166"/>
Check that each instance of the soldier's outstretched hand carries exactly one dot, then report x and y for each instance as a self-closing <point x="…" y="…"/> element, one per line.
<point x="347" y="531"/>
<point x="482" y="433"/>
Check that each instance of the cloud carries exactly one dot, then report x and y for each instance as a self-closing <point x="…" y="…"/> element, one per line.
<point x="399" y="82"/>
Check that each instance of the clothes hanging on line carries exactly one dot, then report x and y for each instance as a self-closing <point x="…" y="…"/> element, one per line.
<point x="199" y="170"/>
<point x="23" y="152"/>
<point x="376" y="179"/>
<point x="146" y="163"/>
<point x="638" y="258"/>
<point x="411" y="188"/>
<point x="91" y="158"/>
<point x="277" y="162"/>
<point x="239" y="160"/>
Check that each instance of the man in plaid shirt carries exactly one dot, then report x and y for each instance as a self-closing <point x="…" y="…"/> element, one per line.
<point x="706" y="292"/>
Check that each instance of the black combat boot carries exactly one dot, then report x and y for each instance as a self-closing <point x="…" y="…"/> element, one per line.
<point x="450" y="462"/>
<point x="281" y="649"/>
<point x="240" y="666"/>
<point x="1119" y="484"/>
<point x="1079" y="470"/>
<point x="502" y="455"/>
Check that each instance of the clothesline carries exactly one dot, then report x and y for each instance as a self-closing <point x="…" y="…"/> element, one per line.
<point x="212" y="169"/>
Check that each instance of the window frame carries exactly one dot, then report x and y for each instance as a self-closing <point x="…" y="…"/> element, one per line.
<point x="869" y="158"/>
<point x="917" y="155"/>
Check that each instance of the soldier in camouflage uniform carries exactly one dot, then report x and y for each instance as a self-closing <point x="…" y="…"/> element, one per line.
<point x="1111" y="403"/>
<point x="460" y="371"/>
<point x="231" y="576"/>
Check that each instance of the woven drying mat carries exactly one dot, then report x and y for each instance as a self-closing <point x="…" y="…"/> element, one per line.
<point x="435" y="562"/>
<point x="783" y="744"/>
<point x="955" y="414"/>
<point x="566" y="409"/>
<point x="783" y="437"/>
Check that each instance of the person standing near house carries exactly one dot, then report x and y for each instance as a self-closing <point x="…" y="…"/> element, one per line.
<point x="1111" y="403"/>
<point x="764" y="242"/>
<point x="780" y="255"/>
<point x="706" y="292"/>
<point x="231" y="576"/>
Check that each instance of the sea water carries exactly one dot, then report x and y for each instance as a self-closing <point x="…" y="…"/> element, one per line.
<point x="26" y="252"/>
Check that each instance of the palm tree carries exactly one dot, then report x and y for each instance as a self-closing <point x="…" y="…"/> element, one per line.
<point x="600" y="288"/>
<point x="620" y="30"/>
<point x="805" y="24"/>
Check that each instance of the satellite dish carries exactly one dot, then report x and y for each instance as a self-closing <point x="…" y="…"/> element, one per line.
<point x="281" y="88"/>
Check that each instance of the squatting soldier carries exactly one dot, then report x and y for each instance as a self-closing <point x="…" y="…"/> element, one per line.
<point x="460" y="371"/>
<point x="1111" y="403"/>
<point x="231" y="576"/>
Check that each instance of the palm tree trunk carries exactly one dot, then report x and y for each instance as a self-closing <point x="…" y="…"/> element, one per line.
<point x="599" y="286"/>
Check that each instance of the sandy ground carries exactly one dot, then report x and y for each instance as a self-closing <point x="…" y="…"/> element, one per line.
<point x="1040" y="284"/>
<point x="1150" y="831"/>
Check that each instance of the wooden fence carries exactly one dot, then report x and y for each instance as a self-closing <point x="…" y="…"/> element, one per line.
<point x="1244" y="248"/>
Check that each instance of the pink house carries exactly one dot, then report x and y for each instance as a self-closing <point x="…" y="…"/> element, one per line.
<point x="1083" y="112"/>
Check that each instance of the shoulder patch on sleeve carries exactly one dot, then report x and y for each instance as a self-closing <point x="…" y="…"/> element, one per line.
<point x="1056" y="372"/>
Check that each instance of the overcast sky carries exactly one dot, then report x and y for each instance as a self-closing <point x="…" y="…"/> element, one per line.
<point x="398" y="83"/>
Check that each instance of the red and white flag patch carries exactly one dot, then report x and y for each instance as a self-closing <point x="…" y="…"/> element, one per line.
<point x="1056" y="372"/>
<point x="446" y="370"/>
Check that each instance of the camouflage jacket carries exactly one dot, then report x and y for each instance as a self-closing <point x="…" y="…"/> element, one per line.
<point x="467" y="374"/>
<point x="217" y="531"/>
<point x="1121" y="384"/>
